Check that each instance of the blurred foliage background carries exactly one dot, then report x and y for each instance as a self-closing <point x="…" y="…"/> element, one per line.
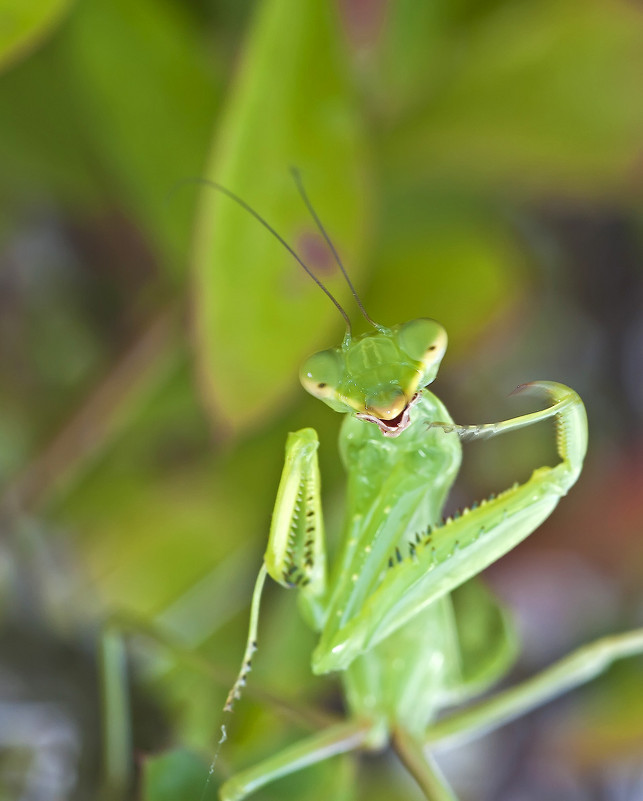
<point x="477" y="161"/>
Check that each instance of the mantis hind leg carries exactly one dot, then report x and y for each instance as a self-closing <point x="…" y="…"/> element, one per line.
<point x="339" y="739"/>
<point x="572" y="671"/>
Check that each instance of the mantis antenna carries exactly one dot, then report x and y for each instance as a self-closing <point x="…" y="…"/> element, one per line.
<point x="266" y="224"/>
<point x="304" y="196"/>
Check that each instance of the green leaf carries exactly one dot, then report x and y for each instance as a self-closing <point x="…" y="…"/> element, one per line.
<point x="23" y="24"/>
<point x="257" y="313"/>
<point x="178" y="775"/>
<point x="148" y="93"/>
<point x="461" y="263"/>
<point x="540" y="95"/>
<point x="37" y="96"/>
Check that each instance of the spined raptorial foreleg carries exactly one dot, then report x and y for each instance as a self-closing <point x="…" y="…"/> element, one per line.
<point x="571" y="424"/>
<point x="295" y="555"/>
<point x="444" y="558"/>
<point x="572" y="671"/>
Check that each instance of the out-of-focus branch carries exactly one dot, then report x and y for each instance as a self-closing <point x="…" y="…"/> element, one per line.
<point x="102" y="415"/>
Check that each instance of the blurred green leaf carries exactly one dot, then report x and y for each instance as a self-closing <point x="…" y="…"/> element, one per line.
<point x="610" y="719"/>
<point x="177" y="775"/>
<point x="24" y="23"/>
<point x="257" y="313"/>
<point x="409" y="55"/>
<point x="148" y="104"/>
<point x="161" y="508"/>
<point x="460" y="260"/>
<point x="516" y="96"/>
<point x="45" y="153"/>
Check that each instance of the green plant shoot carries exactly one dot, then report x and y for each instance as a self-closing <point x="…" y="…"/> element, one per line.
<point x="401" y="615"/>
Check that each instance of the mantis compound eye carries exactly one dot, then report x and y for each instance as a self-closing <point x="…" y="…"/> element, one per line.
<point x="423" y="340"/>
<point x="320" y="374"/>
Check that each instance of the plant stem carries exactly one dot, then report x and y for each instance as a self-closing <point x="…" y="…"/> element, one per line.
<point x="422" y="767"/>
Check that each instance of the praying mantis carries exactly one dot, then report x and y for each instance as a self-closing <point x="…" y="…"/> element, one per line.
<point x="402" y="617"/>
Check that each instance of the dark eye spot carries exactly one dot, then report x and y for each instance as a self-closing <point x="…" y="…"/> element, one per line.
<point x="431" y="347"/>
<point x="321" y="385"/>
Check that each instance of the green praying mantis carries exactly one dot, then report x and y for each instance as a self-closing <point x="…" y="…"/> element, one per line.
<point x="401" y="615"/>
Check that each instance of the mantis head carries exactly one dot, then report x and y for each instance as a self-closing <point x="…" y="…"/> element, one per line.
<point x="378" y="376"/>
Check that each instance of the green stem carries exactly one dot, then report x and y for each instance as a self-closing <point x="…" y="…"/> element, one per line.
<point x="422" y="767"/>
<point x="117" y="767"/>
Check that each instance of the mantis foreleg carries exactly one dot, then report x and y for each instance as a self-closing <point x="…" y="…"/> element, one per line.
<point x="444" y="558"/>
<point x="296" y="556"/>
